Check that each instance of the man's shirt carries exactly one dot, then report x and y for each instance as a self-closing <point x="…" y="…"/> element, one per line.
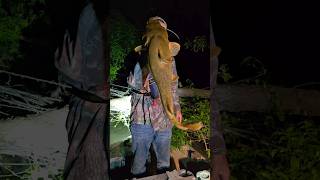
<point x="145" y="109"/>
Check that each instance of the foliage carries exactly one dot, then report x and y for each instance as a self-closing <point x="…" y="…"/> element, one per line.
<point x="193" y="110"/>
<point x="15" y="16"/>
<point x="254" y="69"/>
<point x="253" y="64"/>
<point x="10" y="33"/>
<point x="269" y="146"/>
<point x="189" y="83"/>
<point x="199" y="43"/>
<point x="275" y="149"/>
<point x="224" y="74"/>
<point x="123" y="39"/>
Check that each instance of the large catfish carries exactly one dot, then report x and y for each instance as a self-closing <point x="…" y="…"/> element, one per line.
<point x="160" y="65"/>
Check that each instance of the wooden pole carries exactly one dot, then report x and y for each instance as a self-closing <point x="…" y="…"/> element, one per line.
<point x="214" y="115"/>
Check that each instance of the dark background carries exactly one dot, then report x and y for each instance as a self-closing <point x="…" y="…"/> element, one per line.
<point x="283" y="35"/>
<point x="187" y="19"/>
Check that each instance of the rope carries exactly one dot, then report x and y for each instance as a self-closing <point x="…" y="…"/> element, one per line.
<point x="36" y="79"/>
<point x="50" y="82"/>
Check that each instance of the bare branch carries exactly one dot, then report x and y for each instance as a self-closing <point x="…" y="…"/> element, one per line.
<point x="12" y="172"/>
<point x="36" y="79"/>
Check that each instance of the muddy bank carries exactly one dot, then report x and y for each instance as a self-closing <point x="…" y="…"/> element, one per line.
<point x="41" y="138"/>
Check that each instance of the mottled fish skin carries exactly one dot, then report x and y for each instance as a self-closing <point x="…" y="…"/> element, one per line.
<point x="160" y="65"/>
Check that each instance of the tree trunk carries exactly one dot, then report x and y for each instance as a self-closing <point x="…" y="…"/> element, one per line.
<point x="241" y="98"/>
<point x="82" y="64"/>
<point x="216" y="138"/>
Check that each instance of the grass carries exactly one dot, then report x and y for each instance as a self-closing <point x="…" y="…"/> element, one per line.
<point x="276" y="148"/>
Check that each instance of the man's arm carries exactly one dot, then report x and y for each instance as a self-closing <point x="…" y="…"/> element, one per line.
<point x="176" y="99"/>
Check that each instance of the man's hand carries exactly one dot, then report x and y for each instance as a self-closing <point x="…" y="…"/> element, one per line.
<point x="179" y="116"/>
<point x="221" y="167"/>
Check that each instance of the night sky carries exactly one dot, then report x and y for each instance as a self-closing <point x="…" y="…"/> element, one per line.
<point x="283" y="35"/>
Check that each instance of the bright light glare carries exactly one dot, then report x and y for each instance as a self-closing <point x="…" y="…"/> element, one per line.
<point x="120" y="109"/>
